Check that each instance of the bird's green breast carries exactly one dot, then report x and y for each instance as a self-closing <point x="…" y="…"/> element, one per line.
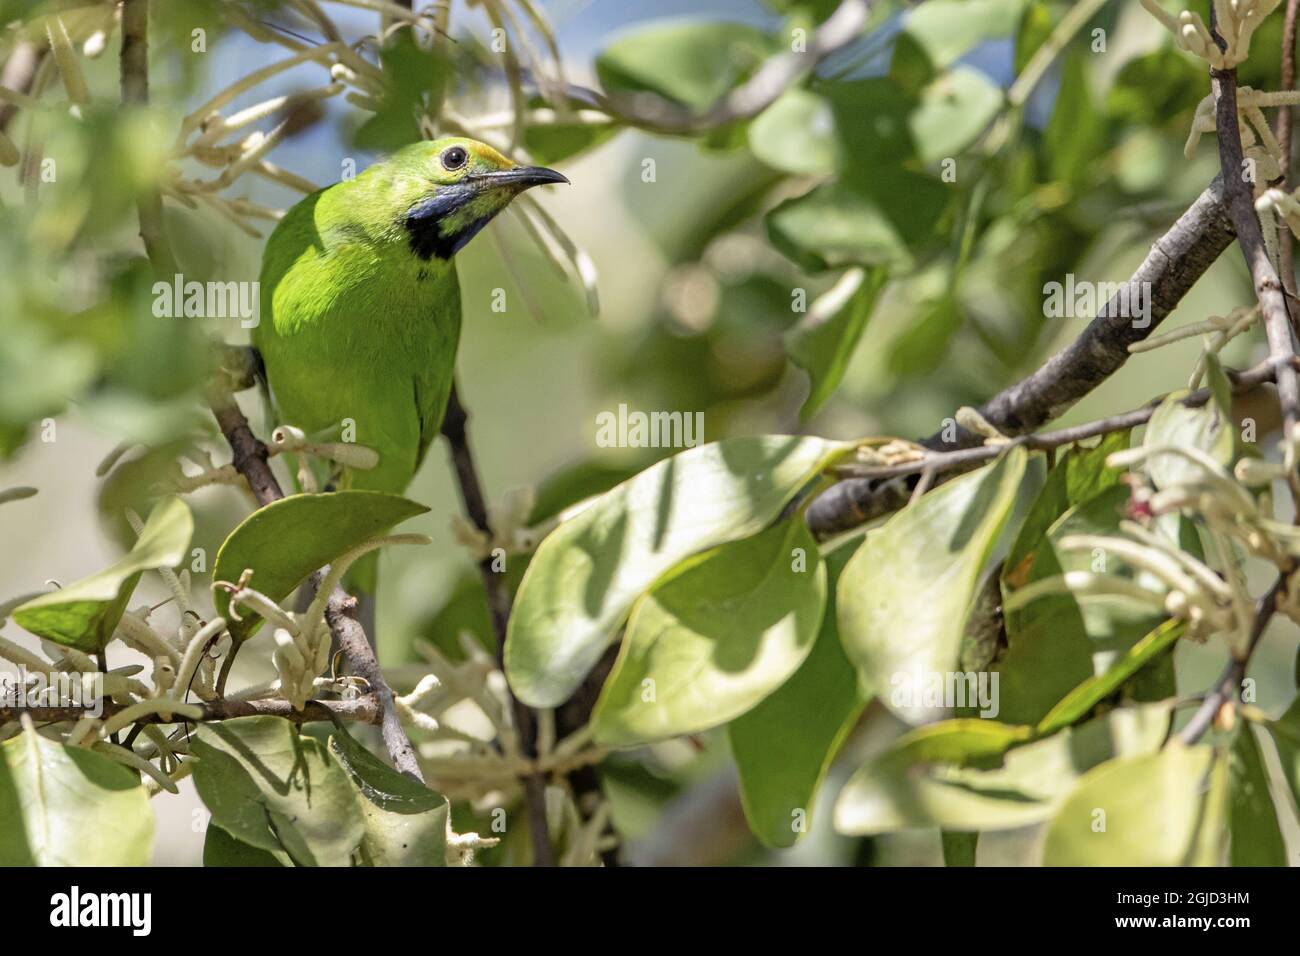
<point x="356" y="328"/>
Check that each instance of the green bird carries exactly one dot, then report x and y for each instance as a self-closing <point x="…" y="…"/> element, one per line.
<point x="360" y="303"/>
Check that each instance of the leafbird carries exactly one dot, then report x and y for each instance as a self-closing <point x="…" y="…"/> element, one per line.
<point x="361" y="306"/>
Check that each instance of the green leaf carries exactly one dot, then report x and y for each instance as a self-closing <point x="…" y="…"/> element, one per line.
<point x="946" y="29"/>
<point x="285" y="541"/>
<point x="922" y="345"/>
<point x="417" y="80"/>
<point x="833" y="226"/>
<point x="925" y="778"/>
<point x="824" y="340"/>
<point x="784" y="746"/>
<point x="961" y="740"/>
<point x="1286" y="735"/>
<point x="549" y="143"/>
<point x="1080" y="474"/>
<point x="273" y="789"/>
<point x="796" y="134"/>
<point x="953" y="111"/>
<point x="221" y="849"/>
<point x="589" y="571"/>
<point x="1256" y="836"/>
<point x="722" y="632"/>
<point x="1076" y="134"/>
<point x="1056" y="643"/>
<point x="1207" y="428"/>
<point x="405" y="821"/>
<point x="69" y="806"/>
<point x="959" y="848"/>
<point x="1135" y="811"/>
<point x="692" y="63"/>
<point x="1091" y="692"/>
<point x="903" y="598"/>
<point x="85" y="614"/>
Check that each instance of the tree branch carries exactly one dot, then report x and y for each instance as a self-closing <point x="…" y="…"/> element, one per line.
<point x="944" y="461"/>
<point x="1176" y="260"/>
<point x="498" y="599"/>
<point x="1240" y="203"/>
<point x="135" y="92"/>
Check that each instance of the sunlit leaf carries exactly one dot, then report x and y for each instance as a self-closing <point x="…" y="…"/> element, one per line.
<point x="719" y="634"/>
<point x="273" y="789"/>
<point x="69" y="806"/>
<point x="85" y="614"/>
<point x="935" y="776"/>
<point x="405" y="821"/>
<point x="1135" y="811"/>
<point x="285" y="541"/>
<point x="903" y="598"/>
<point x="587" y="573"/>
<point x="784" y="746"/>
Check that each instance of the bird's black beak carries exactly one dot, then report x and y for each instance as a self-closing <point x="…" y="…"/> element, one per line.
<point x="523" y="177"/>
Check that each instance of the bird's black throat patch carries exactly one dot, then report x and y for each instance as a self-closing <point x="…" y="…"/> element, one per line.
<point x="425" y="223"/>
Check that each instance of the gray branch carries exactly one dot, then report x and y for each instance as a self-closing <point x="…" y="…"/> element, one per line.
<point x="1171" y="268"/>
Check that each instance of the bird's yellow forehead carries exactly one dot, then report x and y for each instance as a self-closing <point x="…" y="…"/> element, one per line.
<point x="481" y="155"/>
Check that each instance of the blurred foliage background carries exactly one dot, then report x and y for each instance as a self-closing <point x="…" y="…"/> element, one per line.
<point x="698" y="267"/>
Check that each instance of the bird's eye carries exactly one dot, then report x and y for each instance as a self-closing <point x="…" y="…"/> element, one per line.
<point x="454" y="158"/>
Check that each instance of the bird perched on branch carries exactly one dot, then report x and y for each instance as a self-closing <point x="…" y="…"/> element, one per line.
<point x="361" y="306"/>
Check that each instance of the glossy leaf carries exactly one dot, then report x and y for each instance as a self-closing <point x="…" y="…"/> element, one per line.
<point x="405" y="821"/>
<point x="85" y="614"/>
<point x="69" y="806"/>
<point x="721" y="633"/>
<point x="587" y="573"/>
<point x="273" y="789"/>
<point x="285" y="541"/>
<point x="903" y="598"/>
<point x="1135" y="811"/>
<point x="784" y="746"/>
<point x="948" y="776"/>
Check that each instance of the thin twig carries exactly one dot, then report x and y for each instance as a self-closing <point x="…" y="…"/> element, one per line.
<point x="498" y="598"/>
<point x="1286" y="264"/>
<point x="945" y="461"/>
<point x="135" y="93"/>
<point x="363" y="709"/>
